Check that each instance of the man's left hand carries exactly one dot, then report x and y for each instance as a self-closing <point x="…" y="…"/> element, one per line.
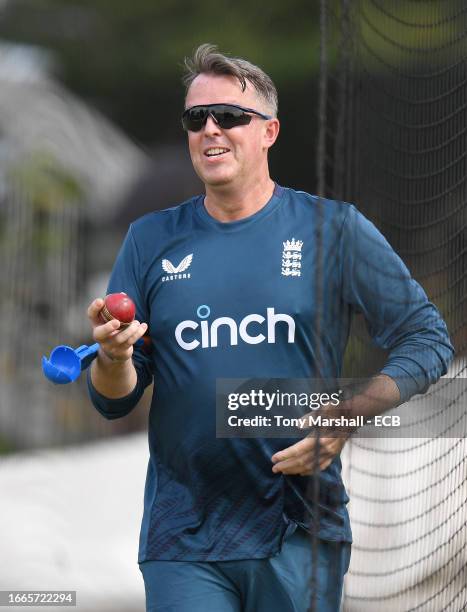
<point x="303" y="457"/>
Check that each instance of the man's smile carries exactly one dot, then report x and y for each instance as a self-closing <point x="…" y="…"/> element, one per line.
<point x="216" y="151"/>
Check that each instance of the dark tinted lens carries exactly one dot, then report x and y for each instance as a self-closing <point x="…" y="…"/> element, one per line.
<point x="195" y="118"/>
<point x="228" y="117"/>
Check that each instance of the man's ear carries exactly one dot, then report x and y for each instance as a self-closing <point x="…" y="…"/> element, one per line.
<point x="271" y="132"/>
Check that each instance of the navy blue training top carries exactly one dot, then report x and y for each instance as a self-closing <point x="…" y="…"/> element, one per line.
<point x="208" y="498"/>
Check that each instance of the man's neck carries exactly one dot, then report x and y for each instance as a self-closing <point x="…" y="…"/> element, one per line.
<point x="232" y="204"/>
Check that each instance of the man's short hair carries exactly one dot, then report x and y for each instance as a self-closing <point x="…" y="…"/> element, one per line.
<point x="206" y="59"/>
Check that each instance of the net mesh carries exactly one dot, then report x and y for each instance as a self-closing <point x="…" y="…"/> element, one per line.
<point x="393" y="131"/>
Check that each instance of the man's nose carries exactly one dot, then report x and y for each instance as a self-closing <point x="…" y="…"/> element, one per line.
<point x="211" y="126"/>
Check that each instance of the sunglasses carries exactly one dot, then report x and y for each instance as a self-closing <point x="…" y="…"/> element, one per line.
<point x="225" y="115"/>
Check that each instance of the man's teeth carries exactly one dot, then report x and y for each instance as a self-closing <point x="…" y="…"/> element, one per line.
<point x="211" y="152"/>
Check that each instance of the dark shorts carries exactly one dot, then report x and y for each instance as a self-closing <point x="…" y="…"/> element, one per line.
<point x="282" y="583"/>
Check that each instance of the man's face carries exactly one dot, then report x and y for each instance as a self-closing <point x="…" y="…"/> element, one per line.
<point x="245" y="158"/>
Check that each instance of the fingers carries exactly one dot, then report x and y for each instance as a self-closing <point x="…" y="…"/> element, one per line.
<point x="115" y="342"/>
<point x="295" y="450"/>
<point x="112" y="330"/>
<point x="303" y="458"/>
<point x="131" y="334"/>
<point x="118" y="345"/>
<point x="104" y="332"/>
<point x="94" y="309"/>
<point x="296" y="459"/>
<point x="305" y="464"/>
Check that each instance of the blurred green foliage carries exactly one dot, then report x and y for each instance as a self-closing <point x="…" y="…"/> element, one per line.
<point x="47" y="182"/>
<point x="49" y="190"/>
<point x="6" y="446"/>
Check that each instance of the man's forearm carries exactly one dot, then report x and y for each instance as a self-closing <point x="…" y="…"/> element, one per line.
<point x="366" y="399"/>
<point x="113" y="379"/>
<point x="380" y="394"/>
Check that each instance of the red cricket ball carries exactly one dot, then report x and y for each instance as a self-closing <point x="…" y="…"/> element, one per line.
<point x="118" y="306"/>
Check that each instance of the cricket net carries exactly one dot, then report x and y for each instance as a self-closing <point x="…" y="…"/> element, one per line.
<point x="393" y="140"/>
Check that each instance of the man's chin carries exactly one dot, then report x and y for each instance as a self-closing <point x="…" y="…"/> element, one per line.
<point x="217" y="181"/>
<point x="214" y="177"/>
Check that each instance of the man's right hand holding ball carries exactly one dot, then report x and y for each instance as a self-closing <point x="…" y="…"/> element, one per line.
<point x="112" y="373"/>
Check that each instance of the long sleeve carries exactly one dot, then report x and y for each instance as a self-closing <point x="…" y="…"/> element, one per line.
<point x="397" y="311"/>
<point x="127" y="277"/>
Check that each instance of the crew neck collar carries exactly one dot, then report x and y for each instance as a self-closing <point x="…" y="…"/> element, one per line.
<point x="232" y="226"/>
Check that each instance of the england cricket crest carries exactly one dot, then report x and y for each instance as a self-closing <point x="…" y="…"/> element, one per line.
<point x="291" y="257"/>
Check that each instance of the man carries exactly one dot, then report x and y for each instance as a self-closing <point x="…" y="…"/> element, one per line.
<point x="251" y="280"/>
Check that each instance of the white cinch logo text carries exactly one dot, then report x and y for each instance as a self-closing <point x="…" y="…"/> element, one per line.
<point x="207" y="337"/>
